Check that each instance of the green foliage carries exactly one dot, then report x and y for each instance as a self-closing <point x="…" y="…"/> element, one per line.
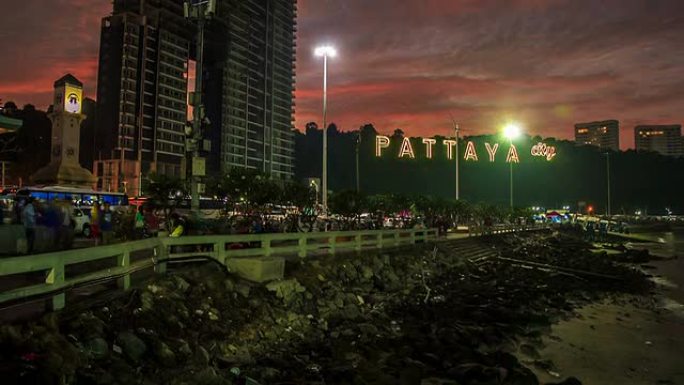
<point x="165" y="193"/>
<point x="349" y="204"/>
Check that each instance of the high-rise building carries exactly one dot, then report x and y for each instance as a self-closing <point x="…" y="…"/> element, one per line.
<point x="604" y="134"/>
<point x="249" y="85"/>
<point x="663" y="139"/>
<point x="143" y="80"/>
<point x="142" y="93"/>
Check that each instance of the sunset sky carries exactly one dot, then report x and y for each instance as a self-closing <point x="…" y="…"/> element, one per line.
<point x="410" y="63"/>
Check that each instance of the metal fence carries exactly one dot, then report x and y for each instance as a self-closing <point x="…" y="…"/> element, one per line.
<point x="51" y="274"/>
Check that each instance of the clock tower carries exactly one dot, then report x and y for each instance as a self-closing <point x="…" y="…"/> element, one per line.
<point x="66" y="117"/>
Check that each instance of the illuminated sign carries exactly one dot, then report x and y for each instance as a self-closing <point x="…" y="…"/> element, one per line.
<point x="541" y="150"/>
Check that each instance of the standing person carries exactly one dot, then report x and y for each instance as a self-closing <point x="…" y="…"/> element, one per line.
<point x="177" y="226"/>
<point x="107" y="224"/>
<point x="28" y="218"/>
<point x="66" y="229"/>
<point x="95" y="217"/>
<point x="152" y="222"/>
<point x="139" y="223"/>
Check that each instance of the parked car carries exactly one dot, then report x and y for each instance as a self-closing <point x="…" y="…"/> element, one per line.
<point x="81" y="217"/>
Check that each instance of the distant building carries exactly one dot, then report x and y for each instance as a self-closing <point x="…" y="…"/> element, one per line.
<point x="604" y="134"/>
<point x="141" y="94"/>
<point x="249" y="85"/>
<point x="663" y="139"/>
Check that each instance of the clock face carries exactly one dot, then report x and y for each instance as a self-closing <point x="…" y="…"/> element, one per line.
<point x="73" y="103"/>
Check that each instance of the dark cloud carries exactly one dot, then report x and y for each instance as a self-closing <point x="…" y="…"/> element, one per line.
<point x="409" y="64"/>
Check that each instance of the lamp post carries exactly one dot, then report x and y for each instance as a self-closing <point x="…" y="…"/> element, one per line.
<point x="325" y="52"/>
<point x="511" y="131"/>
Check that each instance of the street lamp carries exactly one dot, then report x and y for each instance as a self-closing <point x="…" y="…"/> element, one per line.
<point x="511" y="131"/>
<point x="325" y="52"/>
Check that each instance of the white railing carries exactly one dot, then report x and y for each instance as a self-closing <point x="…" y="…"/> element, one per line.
<point x="66" y="269"/>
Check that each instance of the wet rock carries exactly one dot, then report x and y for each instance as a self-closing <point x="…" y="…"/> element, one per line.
<point x="96" y="348"/>
<point x="287" y="290"/>
<point x="132" y="347"/>
<point x="243" y="289"/>
<point x="180" y="284"/>
<point x="163" y="354"/>
<point x="202" y="356"/>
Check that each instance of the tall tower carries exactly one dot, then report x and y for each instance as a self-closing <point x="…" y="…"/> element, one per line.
<point x="249" y="85"/>
<point x="66" y="117"/>
<point x="141" y="94"/>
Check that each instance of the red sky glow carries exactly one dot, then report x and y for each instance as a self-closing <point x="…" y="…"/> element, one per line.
<point x="409" y="64"/>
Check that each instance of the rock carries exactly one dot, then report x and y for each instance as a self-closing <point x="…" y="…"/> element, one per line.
<point x="97" y="348"/>
<point x="132" y="347"/>
<point x="181" y="284"/>
<point x="287" y="289"/>
<point x="229" y="285"/>
<point x="568" y="381"/>
<point x="146" y="300"/>
<point x="202" y="356"/>
<point x="243" y="289"/>
<point x="183" y="349"/>
<point x="163" y="354"/>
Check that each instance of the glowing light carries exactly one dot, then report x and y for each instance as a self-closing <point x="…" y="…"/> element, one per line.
<point x="543" y="150"/>
<point x="512" y="131"/>
<point x="512" y="156"/>
<point x="450" y="144"/>
<point x="325" y="50"/>
<point x="429" y="143"/>
<point x="406" y="149"/>
<point x="380" y="143"/>
<point x="492" y="150"/>
<point x="470" y="153"/>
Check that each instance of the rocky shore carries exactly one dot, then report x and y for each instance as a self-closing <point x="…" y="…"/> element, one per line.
<point x="458" y="312"/>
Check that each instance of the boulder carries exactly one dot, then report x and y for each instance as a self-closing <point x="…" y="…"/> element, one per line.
<point x="132" y="347"/>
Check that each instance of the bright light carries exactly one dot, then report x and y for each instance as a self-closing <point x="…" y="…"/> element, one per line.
<point x="512" y="131"/>
<point x="326" y="50"/>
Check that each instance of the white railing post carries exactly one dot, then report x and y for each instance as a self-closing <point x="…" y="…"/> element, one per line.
<point x="378" y="240"/>
<point x="124" y="260"/>
<point x="357" y="241"/>
<point x="332" y="240"/>
<point x="302" y="242"/>
<point x="161" y="253"/>
<point x="266" y="245"/>
<point x="220" y="252"/>
<point x="56" y="277"/>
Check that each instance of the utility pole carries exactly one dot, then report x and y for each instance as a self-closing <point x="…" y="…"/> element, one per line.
<point x="608" y="183"/>
<point x="456" y="130"/>
<point x="198" y="10"/>
<point x="358" y="178"/>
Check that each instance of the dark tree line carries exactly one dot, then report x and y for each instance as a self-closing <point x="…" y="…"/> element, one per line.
<point x="639" y="181"/>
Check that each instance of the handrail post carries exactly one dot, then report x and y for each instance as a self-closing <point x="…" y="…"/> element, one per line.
<point x="413" y="236"/>
<point x="396" y="238"/>
<point x="357" y="241"/>
<point x="161" y="252"/>
<point x="124" y="260"/>
<point x="56" y="277"/>
<point x="379" y="239"/>
<point x="266" y="245"/>
<point x="332" y="239"/>
<point x="220" y="252"/>
<point x="302" y="242"/>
